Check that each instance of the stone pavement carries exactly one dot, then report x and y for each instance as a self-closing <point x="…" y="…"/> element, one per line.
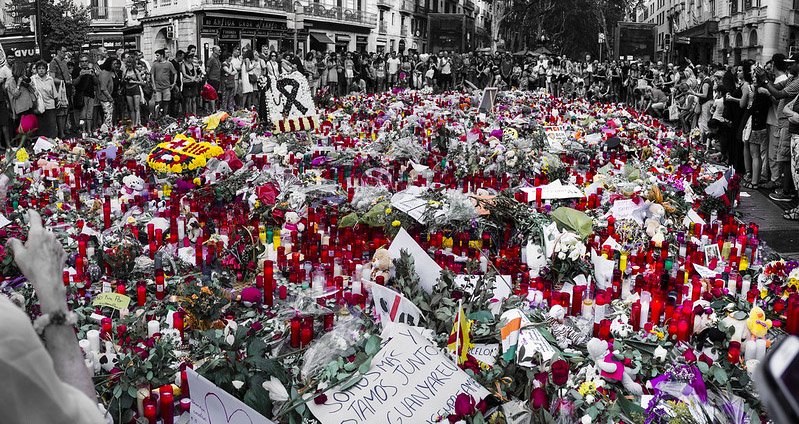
<point x="779" y="234"/>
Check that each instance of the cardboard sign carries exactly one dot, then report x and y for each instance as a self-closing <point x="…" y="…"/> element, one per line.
<point x="487" y="101"/>
<point x="501" y="288"/>
<point x="212" y="405"/>
<point x="426" y="267"/>
<point x="290" y="104"/>
<point x="410" y="381"/>
<point x="394" y="307"/>
<point x="112" y="300"/>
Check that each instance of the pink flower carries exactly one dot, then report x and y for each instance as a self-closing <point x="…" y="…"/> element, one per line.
<point x="538" y="398"/>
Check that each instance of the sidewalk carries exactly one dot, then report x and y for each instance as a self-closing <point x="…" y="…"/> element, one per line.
<point x="779" y="234"/>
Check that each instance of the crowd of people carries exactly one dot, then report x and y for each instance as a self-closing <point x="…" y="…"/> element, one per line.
<point x="745" y="115"/>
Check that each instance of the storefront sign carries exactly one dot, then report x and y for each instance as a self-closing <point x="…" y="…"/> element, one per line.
<point x="229" y="34"/>
<point x="229" y="23"/>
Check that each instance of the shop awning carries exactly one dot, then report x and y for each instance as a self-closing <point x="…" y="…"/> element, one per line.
<point x="321" y="38"/>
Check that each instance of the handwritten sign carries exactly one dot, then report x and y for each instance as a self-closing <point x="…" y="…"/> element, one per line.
<point x="290" y="103"/>
<point x="112" y="300"/>
<point x="554" y="191"/>
<point x="532" y="341"/>
<point x="212" y="405"/>
<point x="486" y="353"/>
<point x="410" y="381"/>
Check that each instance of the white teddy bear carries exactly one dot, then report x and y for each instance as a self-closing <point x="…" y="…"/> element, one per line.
<point x="611" y="369"/>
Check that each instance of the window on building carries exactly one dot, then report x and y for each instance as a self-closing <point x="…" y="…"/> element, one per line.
<point x="739" y="40"/>
<point x="99" y="9"/>
<point x="748" y="4"/>
<point x="733" y="7"/>
<point x="712" y="7"/>
<point x="753" y="38"/>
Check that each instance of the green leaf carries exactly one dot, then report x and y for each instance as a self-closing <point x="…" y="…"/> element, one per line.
<point x="132" y="392"/>
<point x="364" y="368"/>
<point x="349" y="220"/>
<point x="258" y="399"/>
<point x="720" y="375"/>
<point x="117" y="391"/>
<point x="372" y="345"/>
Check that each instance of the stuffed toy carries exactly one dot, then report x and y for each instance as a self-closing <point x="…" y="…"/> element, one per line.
<point x="611" y="369"/>
<point x="381" y="265"/>
<point x="565" y="332"/>
<point x="757" y="323"/>
<point x="293" y="223"/>
<point x="132" y="185"/>
<point x="250" y="296"/>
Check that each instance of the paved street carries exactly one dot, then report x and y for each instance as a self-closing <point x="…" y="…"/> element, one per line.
<point x="779" y="234"/>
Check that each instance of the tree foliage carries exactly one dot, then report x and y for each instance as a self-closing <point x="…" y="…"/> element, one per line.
<point x="62" y="23"/>
<point x="570" y="26"/>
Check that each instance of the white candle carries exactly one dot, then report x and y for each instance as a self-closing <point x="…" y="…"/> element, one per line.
<point x="94" y="340"/>
<point x="85" y="346"/>
<point x="750" y="350"/>
<point x="646" y="297"/>
<point x="152" y="328"/>
<point x="745" y="286"/>
<point x="761" y="349"/>
<point x="141" y="394"/>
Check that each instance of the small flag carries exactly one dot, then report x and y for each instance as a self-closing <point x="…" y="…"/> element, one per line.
<point x="510" y="332"/>
<point x="459" y="341"/>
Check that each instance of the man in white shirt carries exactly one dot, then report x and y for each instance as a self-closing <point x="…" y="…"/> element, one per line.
<point x="392" y="69"/>
<point x="445" y="65"/>
<point x="237" y="63"/>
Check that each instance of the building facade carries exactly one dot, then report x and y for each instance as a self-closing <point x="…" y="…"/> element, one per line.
<point x="722" y="31"/>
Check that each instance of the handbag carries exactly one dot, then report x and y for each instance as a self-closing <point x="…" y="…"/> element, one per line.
<point x="38" y="102"/>
<point x="674" y="111"/>
<point x="253" y="78"/>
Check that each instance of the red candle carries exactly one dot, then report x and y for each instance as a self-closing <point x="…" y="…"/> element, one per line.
<point x="577" y="299"/>
<point x="306" y="337"/>
<point x="269" y="284"/>
<point x="160" y="291"/>
<point x="657" y="309"/>
<point x="141" y="295"/>
<point x="150" y="414"/>
<point x="107" y="213"/>
<point x="682" y="330"/>
<point x="734" y="352"/>
<point x="167" y="407"/>
<point x="295" y="333"/>
<point x="635" y="315"/>
<point x="121" y="289"/>
<point x="105" y="328"/>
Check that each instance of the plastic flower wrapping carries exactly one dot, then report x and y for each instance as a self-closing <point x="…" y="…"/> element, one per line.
<point x="410" y="260"/>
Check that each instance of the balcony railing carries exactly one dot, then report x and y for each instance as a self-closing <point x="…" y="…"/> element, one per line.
<point x="279" y="5"/>
<point x="468" y="4"/>
<point x="406" y="6"/>
<point x="108" y="14"/>
<point x="358" y="17"/>
<point x="385" y="3"/>
<point x="420" y="9"/>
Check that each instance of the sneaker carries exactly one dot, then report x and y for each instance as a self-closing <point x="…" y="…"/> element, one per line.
<point x="779" y="196"/>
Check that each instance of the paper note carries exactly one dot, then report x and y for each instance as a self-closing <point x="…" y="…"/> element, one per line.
<point x="486" y="353"/>
<point x="411" y="202"/>
<point x="554" y="191"/>
<point x="410" y="380"/>
<point x="112" y="300"/>
<point x="426" y="267"/>
<point x="501" y="288"/>
<point x="3" y="221"/>
<point x="628" y="209"/>
<point x="212" y="405"/>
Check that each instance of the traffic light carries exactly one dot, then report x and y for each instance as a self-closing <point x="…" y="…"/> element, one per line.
<point x="667" y="41"/>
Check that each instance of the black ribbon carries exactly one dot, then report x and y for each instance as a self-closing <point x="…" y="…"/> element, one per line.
<point x="291" y="95"/>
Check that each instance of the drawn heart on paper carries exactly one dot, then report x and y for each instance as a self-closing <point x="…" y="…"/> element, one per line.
<point x="217" y="412"/>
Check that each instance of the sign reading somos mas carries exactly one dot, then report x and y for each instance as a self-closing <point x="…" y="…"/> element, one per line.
<point x="410" y="381"/>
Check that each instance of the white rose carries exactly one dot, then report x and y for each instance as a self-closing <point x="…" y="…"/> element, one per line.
<point x="586" y="419"/>
<point x="562" y="255"/>
<point x="589" y="399"/>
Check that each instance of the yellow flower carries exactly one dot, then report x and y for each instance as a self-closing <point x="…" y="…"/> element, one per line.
<point x="22" y="155"/>
<point x="658" y="333"/>
<point x="793" y="282"/>
<point x="763" y="293"/>
<point x="206" y="290"/>
<point x="388" y="211"/>
<point x="587" y="387"/>
<point x="395" y="223"/>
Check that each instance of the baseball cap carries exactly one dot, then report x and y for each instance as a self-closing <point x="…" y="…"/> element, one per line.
<point x="792" y="59"/>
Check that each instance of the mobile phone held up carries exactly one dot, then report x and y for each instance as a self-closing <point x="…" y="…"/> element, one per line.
<point x="777" y="382"/>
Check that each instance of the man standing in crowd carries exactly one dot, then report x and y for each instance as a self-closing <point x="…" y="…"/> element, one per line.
<point x="785" y="91"/>
<point x="392" y="68"/>
<point x="165" y="79"/>
<point x="61" y="77"/>
<point x="779" y="67"/>
<point x="176" y="102"/>
<point x="445" y="65"/>
<point x="213" y="69"/>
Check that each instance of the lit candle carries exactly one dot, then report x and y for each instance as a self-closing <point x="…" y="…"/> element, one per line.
<point x="646" y="297"/>
<point x="760" y="345"/>
<point x="141" y="295"/>
<point x="160" y="291"/>
<point x="93" y="336"/>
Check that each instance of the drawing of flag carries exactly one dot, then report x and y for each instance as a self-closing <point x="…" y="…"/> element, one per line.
<point x="510" y="332"/>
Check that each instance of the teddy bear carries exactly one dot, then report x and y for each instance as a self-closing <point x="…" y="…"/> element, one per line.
<point x="654" y="220"/>
<point x="381" y="265"/>
<point x="611" y="369"/>
<point x="535" y="258"/>
<point x="215" y="170"/>
<point x="132" y="185"/>
<point x="293" y="223"/>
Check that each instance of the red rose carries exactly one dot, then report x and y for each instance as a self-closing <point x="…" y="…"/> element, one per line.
<point x="28" y="124"/>
<point x="538" y="398"/>
<point x="706" y="359"/>
<point x="689" y="355"/>
<point x="464" y="405"/>
<point x="560" y="372"/>
<point x="321" y="399"/>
